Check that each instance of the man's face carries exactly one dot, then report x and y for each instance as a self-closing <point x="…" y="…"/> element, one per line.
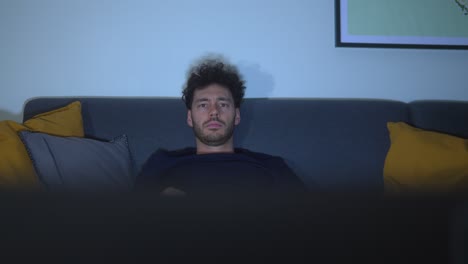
<point x="213" y="115"/>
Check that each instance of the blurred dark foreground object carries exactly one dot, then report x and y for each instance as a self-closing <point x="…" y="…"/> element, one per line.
<point x="299" y="229"/>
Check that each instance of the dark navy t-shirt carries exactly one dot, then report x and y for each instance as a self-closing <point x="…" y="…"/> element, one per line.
<point x="241" y="172"/>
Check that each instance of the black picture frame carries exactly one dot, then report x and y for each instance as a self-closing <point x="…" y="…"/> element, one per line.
<point x="341" y="41"/>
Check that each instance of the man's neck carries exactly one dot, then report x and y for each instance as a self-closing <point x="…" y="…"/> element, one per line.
<point x="205" y="149"/>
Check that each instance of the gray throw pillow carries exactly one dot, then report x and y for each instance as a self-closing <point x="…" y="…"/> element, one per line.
<point x="80" y="164"/>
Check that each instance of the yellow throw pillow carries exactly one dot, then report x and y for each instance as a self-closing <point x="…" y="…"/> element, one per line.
<point x="425" y="161"/>
<point x="16" y="169"/>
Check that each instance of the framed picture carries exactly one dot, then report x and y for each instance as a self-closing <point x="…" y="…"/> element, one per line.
<point x="426" y="24"/>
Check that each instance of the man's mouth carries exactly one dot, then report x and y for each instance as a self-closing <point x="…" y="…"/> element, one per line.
<point x="213" y="124"/>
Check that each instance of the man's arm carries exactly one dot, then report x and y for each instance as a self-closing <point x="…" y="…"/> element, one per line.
<point x="151" y="174"/>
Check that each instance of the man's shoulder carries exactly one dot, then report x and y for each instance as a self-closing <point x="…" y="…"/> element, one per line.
<point x="162" y="153"/>
<point x="190" y="151"/>
<point x="163" y="158"/>
<point x="285" y="177"/>
<point x="258" y="155"/>
<point x="168" y="158"/>
<point x="270" y="161"/>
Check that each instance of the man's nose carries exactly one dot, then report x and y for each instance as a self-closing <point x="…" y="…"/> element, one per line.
<point x="214" y="110"/>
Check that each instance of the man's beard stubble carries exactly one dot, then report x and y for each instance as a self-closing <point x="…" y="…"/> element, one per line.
<point x="216" y="138"/>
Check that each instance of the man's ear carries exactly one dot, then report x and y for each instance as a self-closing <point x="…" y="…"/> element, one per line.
<point x="189" y="118"/>
<point x="237" y="118"/>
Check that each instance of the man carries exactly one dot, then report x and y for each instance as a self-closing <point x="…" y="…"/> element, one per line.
<point x="212" y="95"/>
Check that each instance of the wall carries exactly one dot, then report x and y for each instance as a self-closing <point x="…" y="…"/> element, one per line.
<point x="284" y="48"/>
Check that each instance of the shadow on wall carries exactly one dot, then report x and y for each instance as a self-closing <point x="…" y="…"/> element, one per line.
<point x="5" y="115"/>
<point x="259" y="83"/>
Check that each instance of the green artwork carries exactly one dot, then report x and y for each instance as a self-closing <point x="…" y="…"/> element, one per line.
<point x="463" y="5"/>
<point x="419" y="18"/>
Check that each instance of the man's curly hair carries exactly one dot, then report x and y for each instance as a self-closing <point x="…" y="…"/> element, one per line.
<point x="214" y="71"/>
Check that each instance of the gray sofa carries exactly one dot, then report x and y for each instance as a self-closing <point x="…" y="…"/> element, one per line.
<point x="332" y="144"/>
<point x="335" y="144"/>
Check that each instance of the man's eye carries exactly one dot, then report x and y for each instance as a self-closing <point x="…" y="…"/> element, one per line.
<point x="202" y="105"/>
<point x="224" y="105"/>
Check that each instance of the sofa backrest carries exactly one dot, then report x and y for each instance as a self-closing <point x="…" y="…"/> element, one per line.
<point x="443" y="116"/>
<point x="338" y="144"/>
<point x="149" y="123"/>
